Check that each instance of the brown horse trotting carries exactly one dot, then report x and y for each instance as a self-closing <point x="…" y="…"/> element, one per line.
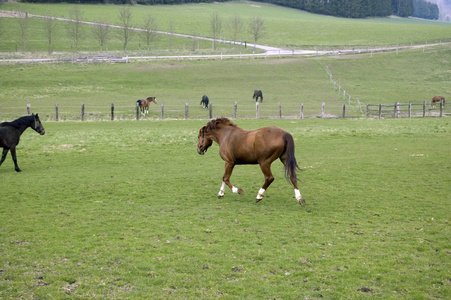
<point x="262" y="146"/>
<point x="144" y="104"/>
<point x="437" y="99"/>
<point x="257" y="94"/>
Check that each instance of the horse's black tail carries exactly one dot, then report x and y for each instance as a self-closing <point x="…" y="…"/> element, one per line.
<point x="291" y="165"/>
<point x="139" y="102"/>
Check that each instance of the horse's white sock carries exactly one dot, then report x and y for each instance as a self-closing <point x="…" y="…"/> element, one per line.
<point x="235" y="190"/>
<point x="260" y="194"/>
<point x="221" y="190"/>
<point x="297" y="193"/>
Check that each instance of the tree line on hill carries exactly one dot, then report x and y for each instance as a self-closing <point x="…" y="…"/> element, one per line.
<point x="338" y="8"/>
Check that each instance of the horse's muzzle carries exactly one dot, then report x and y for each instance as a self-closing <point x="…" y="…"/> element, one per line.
<point x="201" y="151"/>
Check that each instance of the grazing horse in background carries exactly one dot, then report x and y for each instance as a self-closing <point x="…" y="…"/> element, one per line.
<point x="144" y="104"/>
<point x="239" y="147"/>
<point x="10" y="133"/>
<point x="258" y="93"/>
<point x="204" y="102"/>
<point x="437" y="99"/>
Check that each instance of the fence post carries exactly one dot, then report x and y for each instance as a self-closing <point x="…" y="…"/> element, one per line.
<point x="301" y="115"/>
<point x="424" y="109"/>
<point x="186" y="110"/>
<point x="162" y="110"/>
<point x="380" y="111"/>
<point x="410" y="109"/>
<point x="112" y="111"/>
<point x="28" y="109"/>
<point x="234" y="109"/>
<point x="137" y="110"/>
<point x="82" y="111"/>
<point x="280" y="110"/>
<point x="56" y="112"/>
<point x="367" y="110"/>
<point x="323" y="108"/>
<point x="395" y="115"/>
<point x="210" y="110"/>
<point x="441" y="108"/>
<point x="344" y="111"/>
<point x="256" y="110"/>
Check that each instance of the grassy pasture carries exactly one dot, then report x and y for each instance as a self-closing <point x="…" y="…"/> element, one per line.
<point x="128" y="210"/>
<point x="410" y="75"/>
<point x="287" y="28"/>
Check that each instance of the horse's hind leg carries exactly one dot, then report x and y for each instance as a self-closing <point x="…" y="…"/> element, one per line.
<point x="5" y="152"/>
<point x="269" y="178"/>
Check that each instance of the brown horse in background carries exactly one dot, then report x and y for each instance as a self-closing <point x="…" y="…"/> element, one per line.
<point x="144" y="104"/>
<point x="239" y="147"/>
<point x="437" y="99"/>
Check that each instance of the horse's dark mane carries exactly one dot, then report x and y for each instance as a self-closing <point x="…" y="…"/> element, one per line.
<point x="20" y="121"/>
<point x="215" y="124"/>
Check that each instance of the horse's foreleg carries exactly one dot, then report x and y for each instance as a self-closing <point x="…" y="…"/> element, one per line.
<point x="13" y="153"/>
<point x="226" y="181"/>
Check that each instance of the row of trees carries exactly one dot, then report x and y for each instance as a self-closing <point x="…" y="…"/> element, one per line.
<point x="340" y="8"/>
<point x="103" y="32"/>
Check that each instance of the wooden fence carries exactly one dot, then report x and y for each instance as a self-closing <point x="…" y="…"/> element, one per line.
<point x="408" y="110"/>
<point x="380" y="111"/>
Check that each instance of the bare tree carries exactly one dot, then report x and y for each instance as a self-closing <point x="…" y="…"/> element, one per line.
<point x="216" y="27"/>
<point x="75" y="30"/>
<point x="23" y="27"/>
<point x="101" y="32"/>
<point x="125" y="21"/>
<point x="171" y="31"/>
<point x="50" y="26"/>
<point x="150" y="27"/>
<point x="257" y="28"/>
<point x="235" y="26"/>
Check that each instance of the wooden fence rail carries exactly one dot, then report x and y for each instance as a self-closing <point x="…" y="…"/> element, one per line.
<point x="395" y="110"/>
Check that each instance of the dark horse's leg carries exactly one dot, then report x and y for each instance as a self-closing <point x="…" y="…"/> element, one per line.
<point x="5" y="152"/>
<point x="226" y="180"/>
<point x="13" y="154"/>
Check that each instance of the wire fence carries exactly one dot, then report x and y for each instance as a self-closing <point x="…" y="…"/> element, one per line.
<point x="259" y="110"/>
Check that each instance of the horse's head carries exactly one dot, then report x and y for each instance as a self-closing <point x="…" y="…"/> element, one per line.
<point x="152" y="99"/>
<point x="37" y="125"/>
<point x="203" y="142"/>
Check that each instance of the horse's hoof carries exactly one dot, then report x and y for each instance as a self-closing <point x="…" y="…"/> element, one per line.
<point x="240" y="191"/>
<point x="301" y="202"/>
<point x="18" y="170"/>
<point x="258" y="200"/>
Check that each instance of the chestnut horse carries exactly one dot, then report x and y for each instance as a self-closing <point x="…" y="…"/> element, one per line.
<point x="144" y="104"/>
<point x="239" y="147"/>
<point x="258" y="93"/>
<point x="437" y="99"/>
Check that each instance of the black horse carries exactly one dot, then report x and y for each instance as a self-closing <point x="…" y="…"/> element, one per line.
<point x="258" y="93"/>
<point x="205" y="101"/>
<point x="10" y="133"/>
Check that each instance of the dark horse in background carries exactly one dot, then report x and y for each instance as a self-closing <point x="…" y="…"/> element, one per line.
<point x="205" y="101"/>
<point x="144" y="104"/>
<point x="239" y="147"/>
<point x="257" y="94"/>
<point x="10" y="133"/>
<point x="437" y="99"/>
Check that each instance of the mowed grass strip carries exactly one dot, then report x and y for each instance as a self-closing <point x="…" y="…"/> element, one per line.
<point x="128" y="209"/>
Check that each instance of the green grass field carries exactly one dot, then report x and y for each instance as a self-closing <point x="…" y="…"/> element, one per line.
<point x="128" y="210"/>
